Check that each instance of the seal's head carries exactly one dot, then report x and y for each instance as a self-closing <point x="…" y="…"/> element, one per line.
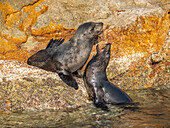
<point x="89" y="30"/>
<point x="100" y="61"/>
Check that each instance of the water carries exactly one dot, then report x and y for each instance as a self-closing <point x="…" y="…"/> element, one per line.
<point x="152" y="110"/>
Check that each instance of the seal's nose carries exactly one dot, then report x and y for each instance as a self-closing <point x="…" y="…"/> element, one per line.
<point x="108" y="46"/>
<point x="99" y="28"/>
<point x="101" y="23"/>
<point x="28" y="62"/>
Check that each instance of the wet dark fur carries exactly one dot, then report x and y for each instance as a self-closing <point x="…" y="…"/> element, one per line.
<point x="98" y="87"/>
<point x="67" y="58"/>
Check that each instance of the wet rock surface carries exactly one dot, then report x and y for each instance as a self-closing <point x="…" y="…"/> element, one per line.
<point x="138" y="31"/>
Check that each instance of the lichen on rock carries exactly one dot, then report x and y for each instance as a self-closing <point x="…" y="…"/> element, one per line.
<point x="55" y="19"/>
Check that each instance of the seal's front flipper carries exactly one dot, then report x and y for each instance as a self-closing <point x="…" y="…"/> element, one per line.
<point x="69" y="80"/>
<point x="77" y="74"/>
<point x="101" y="105"/>
<point x="66" y="76"/>
<point x="99" y="94"/>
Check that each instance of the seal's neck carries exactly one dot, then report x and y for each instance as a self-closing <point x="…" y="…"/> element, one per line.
<point x="100" y="75"/>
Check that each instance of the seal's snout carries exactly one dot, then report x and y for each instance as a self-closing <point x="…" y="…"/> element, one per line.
<point x="100" y="25"/>
<point x="99" y="28"/>
<point x="28" y="62"/>
<point x="108" y="46"/>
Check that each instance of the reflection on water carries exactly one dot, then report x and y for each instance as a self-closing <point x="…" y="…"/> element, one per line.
<point x="152" y="110"/>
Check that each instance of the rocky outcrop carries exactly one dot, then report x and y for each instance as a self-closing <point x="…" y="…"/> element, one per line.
<point x="137" y="30"/>
<point x="144" y="72"/>
<point x="24" y="87"/>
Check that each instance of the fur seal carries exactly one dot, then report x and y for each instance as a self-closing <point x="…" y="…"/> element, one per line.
<point x="100" y="90"/>
<point x="67" y="58"/>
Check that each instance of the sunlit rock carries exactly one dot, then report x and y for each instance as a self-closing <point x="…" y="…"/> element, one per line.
<point x="24" y="87"/>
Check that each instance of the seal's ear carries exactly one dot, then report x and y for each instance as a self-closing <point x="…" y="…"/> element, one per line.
<point x="73" y="41"/>
<point x="97" y="49"/>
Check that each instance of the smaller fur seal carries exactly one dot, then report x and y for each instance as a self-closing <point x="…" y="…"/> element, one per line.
<point x="100" y="90"/>
<point x="68" y="58"/>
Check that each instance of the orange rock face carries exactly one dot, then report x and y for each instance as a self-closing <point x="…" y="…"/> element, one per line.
<point x="146" y="35"/>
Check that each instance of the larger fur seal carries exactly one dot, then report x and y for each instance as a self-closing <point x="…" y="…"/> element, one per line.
<point x="67" y="58"/>
<point x="98" y="87"/>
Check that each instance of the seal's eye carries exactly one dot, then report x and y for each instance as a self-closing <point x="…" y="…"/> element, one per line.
<point x="92" y="29"/>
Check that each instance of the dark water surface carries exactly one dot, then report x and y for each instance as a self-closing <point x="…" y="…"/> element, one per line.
<point x="151" y="111"/>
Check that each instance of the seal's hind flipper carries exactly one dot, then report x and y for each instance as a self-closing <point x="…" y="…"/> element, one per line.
<point x="49" y="43"/>
<point x="77" y="74"/>
<point x="55" y="43"/>
<point x="59" y="42"/>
